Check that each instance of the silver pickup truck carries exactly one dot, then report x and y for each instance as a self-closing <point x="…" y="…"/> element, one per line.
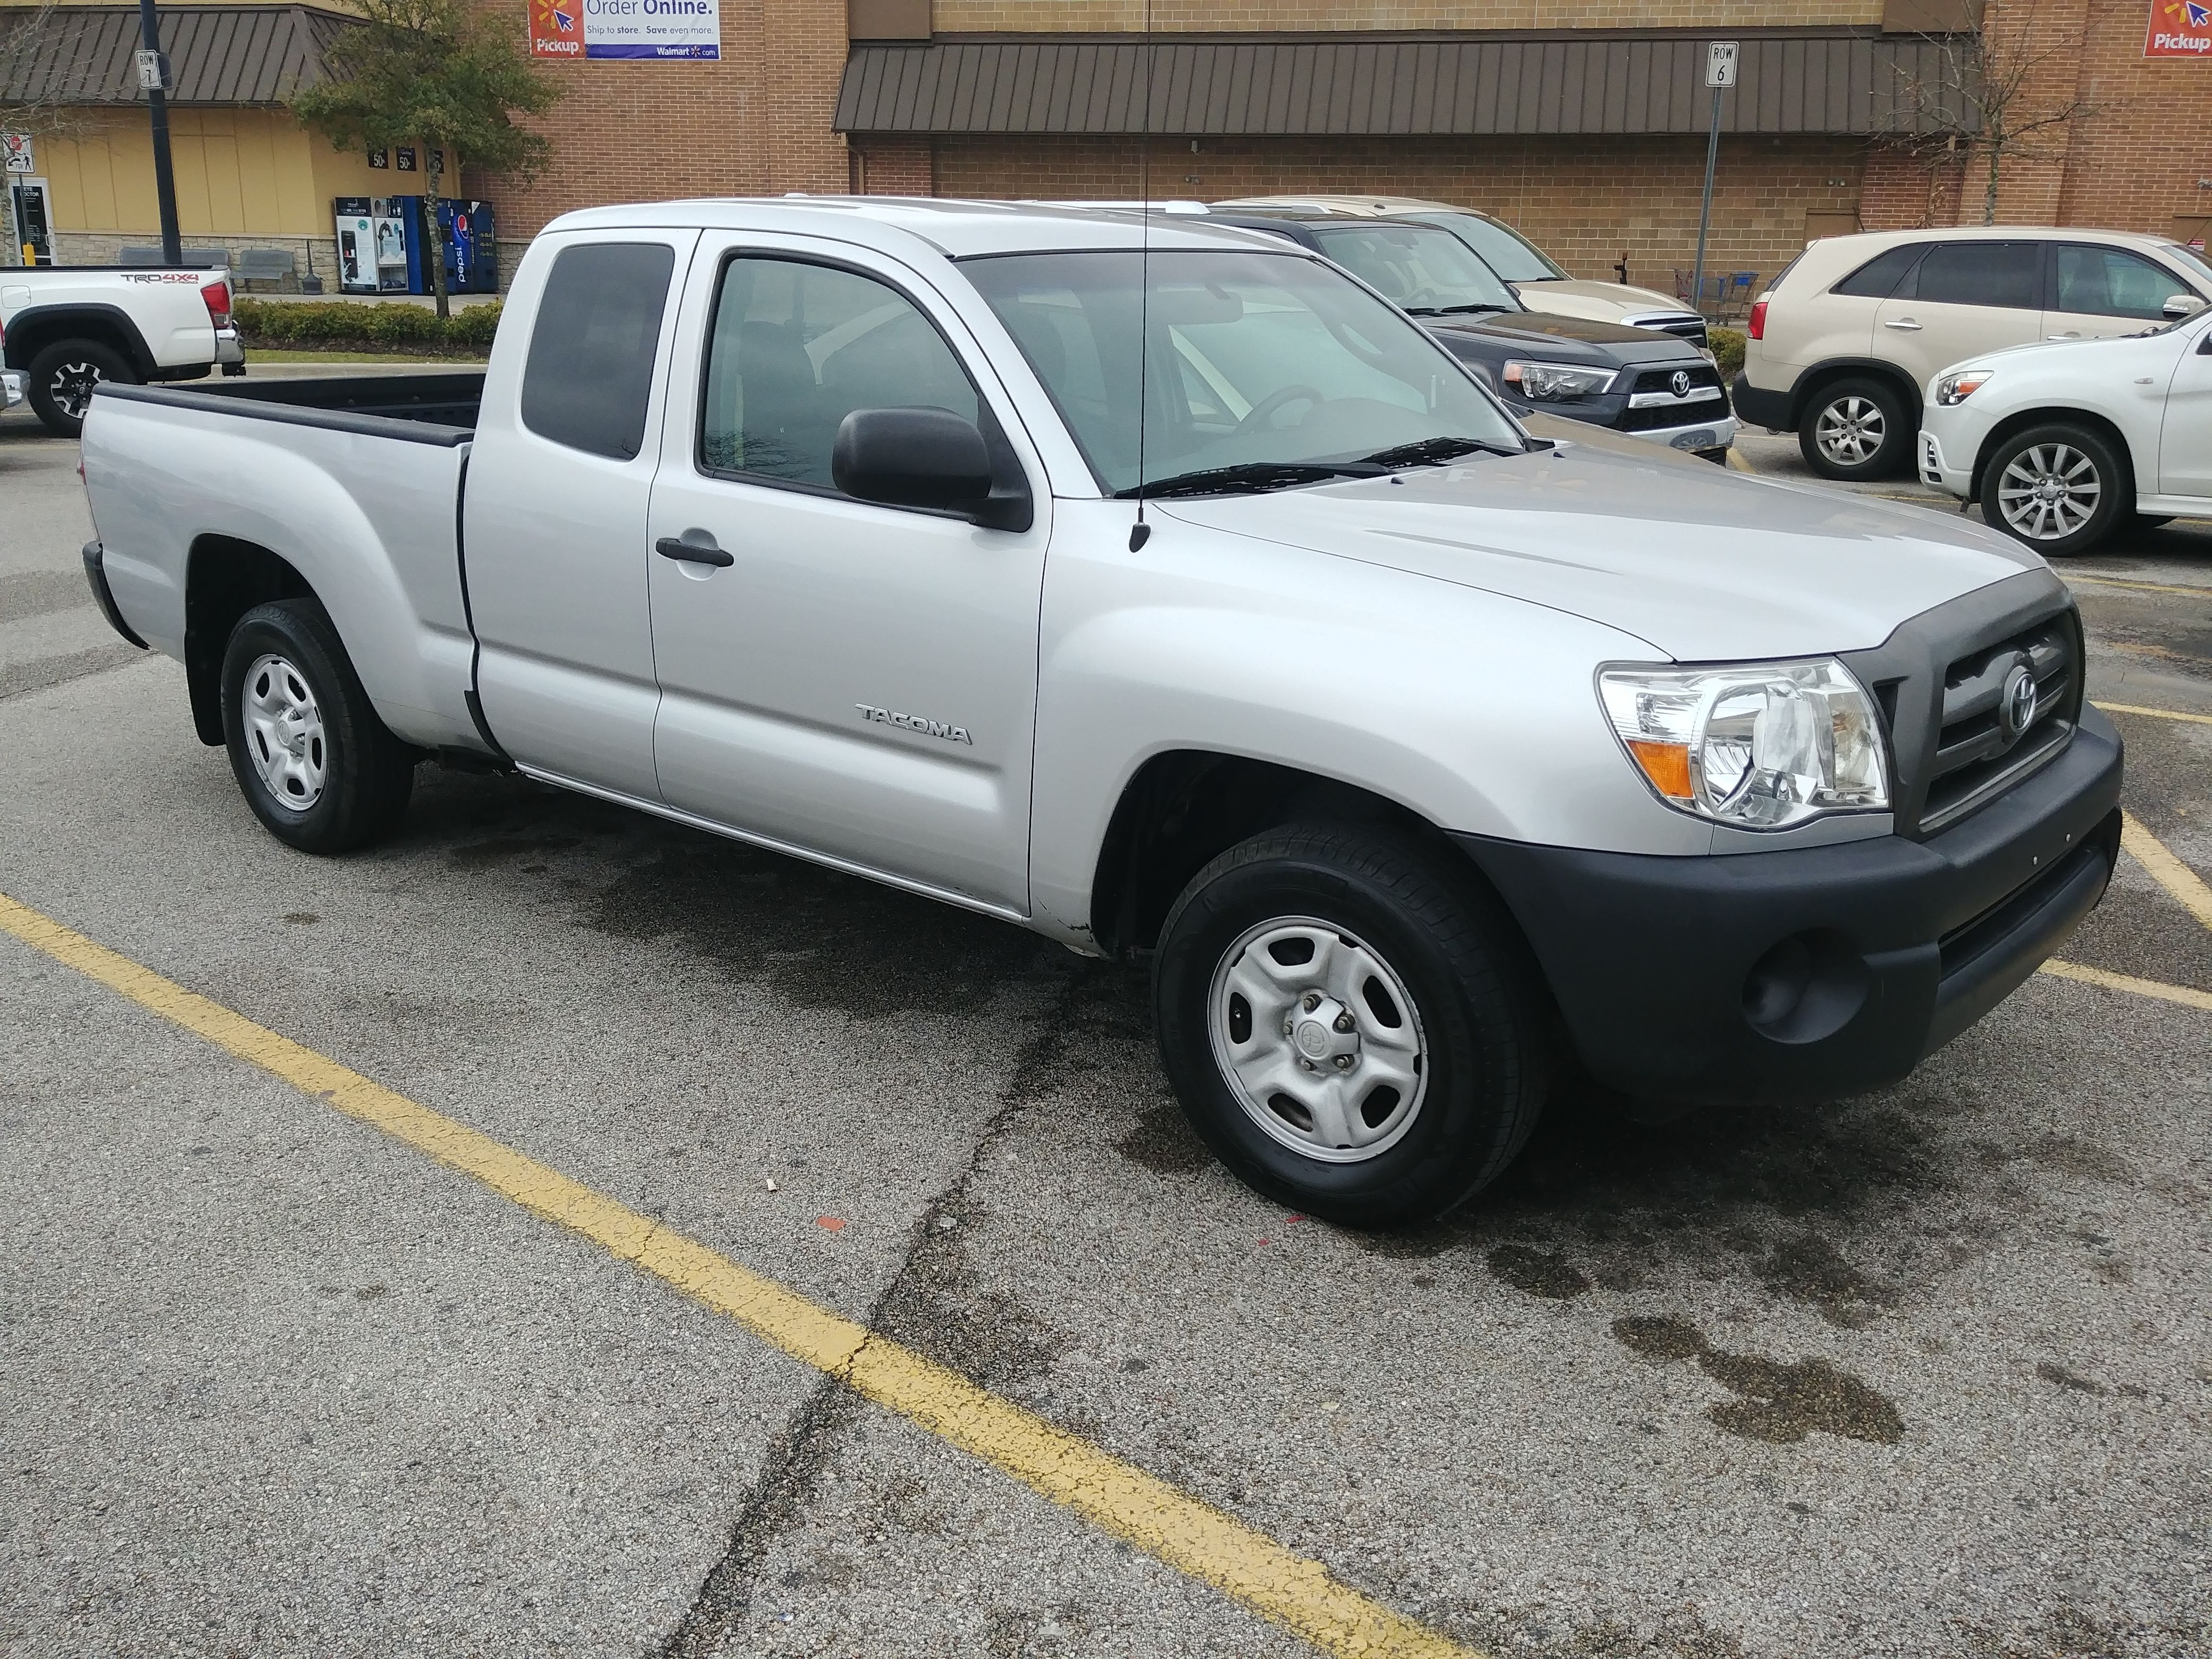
<point x="1184" y="602"/>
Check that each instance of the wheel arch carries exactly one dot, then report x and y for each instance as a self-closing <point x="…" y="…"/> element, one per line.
<point x="1184" y="807"/>
<point x="36" y="327"/>
<point x="225" y="577"/>
<point x="2053" y="415"/>
<point x="1828" y="372"/>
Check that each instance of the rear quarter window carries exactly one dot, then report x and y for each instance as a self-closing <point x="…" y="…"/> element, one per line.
<point x="590" y="370"/>
<point x="1878" y="278"/>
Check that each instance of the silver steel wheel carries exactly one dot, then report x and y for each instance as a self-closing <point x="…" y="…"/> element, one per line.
<point x="71" y="387"/>
<point x="2048" y="491"/>
<point x="1851" y="430"/>
<point x="284" y="732"/>
<point x="1318" y="1039"/>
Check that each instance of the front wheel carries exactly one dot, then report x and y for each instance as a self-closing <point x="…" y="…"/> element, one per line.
<point x="2062" y="489"/>
<point x="317" y="766"/>
<point x="61" y="379"/>
<point x="1349" y="1023"/>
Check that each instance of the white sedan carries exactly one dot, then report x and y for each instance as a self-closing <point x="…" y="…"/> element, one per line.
<point x="2064" y="443"/>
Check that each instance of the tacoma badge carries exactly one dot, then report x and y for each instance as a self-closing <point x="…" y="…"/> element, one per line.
<point x="915" y="723"/>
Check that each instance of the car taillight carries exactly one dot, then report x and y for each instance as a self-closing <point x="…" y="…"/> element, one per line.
<point x="1757" y="327"/>
<point x="216" y="295"/>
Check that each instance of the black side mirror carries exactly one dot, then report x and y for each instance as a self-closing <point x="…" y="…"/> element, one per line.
<point x="929" y="459"/>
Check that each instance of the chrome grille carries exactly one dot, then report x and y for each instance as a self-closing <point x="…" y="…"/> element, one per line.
<point x="1663" y="380"/>
<point x="1976" y="756"/>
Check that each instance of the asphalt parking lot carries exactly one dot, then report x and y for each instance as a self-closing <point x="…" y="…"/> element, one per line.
<point x="1927" y="1372"/>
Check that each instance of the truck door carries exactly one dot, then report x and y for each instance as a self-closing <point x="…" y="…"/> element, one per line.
<point x="553" y="510"/>
<point x="851" y="680"/>
<point x="1964" y="298"/>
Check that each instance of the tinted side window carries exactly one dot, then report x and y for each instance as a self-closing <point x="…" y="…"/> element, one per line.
<point x="2110" y="282"/>
<point x="796" y="348"/>
<point x="590" y="369"/>
<point x="1878" y="277"/>
<point x="1982" y="274"/>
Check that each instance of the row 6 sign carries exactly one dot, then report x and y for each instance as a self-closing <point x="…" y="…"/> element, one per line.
<point x="2179" y="28"/>
<point x="626" y="28"/>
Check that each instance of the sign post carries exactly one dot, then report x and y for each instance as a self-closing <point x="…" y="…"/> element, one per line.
<point x="1720" y="75"/>
<point x="154" y="79"/>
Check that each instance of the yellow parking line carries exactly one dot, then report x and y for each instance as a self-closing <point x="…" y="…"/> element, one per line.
<point x="2071" y="576"/>
<point x="2156" y="714"/>
<point x="2142" y="988"/>
<point x="2167" y="870"/>
<point x="1737" y="461"/>
<point x="1191" y="1536"/>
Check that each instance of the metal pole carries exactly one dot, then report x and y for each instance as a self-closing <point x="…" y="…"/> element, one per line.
<point x="165" y="176"/>
<point x="1705" y="210"/>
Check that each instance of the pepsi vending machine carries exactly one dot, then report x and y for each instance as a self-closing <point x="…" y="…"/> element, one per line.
<point x="471" y="252"/>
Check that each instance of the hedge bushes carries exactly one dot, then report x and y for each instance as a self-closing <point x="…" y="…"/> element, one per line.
<point x="337" y="326"/>
<point x="1728" y="351"/>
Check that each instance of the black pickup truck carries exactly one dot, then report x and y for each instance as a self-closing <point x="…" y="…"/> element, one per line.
<point x="1638" y="381"/>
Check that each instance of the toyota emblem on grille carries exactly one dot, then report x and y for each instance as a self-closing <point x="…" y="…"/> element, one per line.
<point x="2016" y="705"/>
<point x="1681" y="383"/>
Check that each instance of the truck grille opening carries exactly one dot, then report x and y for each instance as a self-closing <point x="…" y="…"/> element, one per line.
<point x="1982" y="749"/>
<point x="1659" y="417"/>
<point x="1663" y="380"/>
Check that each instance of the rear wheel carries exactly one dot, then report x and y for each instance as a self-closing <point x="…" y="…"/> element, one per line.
<point x="1855" y="429"/>
<point x="313" y="761"/>
<point x="2060" y="488"/>
<point x="1349" y="1023"/>
<point x="62" y="378"/>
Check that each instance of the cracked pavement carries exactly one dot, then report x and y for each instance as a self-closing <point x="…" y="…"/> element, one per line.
<point x="1926" y="1373"/>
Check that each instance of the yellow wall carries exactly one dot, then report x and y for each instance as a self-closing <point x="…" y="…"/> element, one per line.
<point x="240" y="173"/>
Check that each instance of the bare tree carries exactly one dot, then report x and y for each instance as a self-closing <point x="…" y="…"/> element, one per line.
<point x="43" y="90"/>
<point x="2008" y="92"/>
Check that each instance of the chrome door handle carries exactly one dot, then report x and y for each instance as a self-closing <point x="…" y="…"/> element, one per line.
<point x="674" y="547"/>
<point x="1905" y="323"/>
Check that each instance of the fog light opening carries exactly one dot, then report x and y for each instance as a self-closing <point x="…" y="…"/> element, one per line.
<point x="1806" y="987"/>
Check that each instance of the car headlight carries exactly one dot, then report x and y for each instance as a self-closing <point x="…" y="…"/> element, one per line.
<point x="1962" y="383"/>
<point x="1548" y="383"/>
<point x="1757" y="745"/>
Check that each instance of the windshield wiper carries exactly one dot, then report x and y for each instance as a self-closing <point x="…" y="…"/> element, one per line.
<point x="1451" y="311"/>
<point x="1252" y="476"/>
<point x="1428" y="451"/>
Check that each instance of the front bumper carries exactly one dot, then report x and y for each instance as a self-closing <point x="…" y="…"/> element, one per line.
<point x="1711" y="430"/>
<point x="11" y="388"/>
<point x="1937" y="467"/>
<point x="1817" y="972"/>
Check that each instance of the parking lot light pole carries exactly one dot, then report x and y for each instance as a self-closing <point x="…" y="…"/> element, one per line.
<point x="152" y="77"/>
<point x="1720" y="74"/>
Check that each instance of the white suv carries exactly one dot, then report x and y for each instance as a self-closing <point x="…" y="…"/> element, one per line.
<point x="1841" y="345"/>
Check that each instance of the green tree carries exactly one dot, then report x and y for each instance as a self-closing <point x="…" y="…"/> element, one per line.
<point x="438" y="74"/>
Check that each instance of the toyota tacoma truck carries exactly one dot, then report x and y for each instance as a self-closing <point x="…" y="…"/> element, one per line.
<point x="1166" y="591"/>
<point x="67" y="328"/>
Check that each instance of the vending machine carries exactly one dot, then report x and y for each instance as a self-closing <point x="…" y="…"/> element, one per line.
<point x="372" y="245"/>
<point x="471" y="252"/>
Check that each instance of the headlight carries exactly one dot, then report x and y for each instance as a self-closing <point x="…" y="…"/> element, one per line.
<point x="1957" y="388"/>
<point x="1556" y="382"/>
<point x="1760" y="745"/>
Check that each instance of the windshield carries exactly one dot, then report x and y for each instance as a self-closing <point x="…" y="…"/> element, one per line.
<point x="1258" y="360"/>
<point x="2191" y="260"/>
<point x="1423" y="268"/>
<point x="1505" y="251"/>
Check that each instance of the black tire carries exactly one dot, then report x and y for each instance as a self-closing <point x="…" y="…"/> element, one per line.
<point x="1476" y="1009"/>
<point x="2051" y="457"/>
<point x="364" y="773"/>
<point x="61" y="378"/>
<point x="1859" y="414"/>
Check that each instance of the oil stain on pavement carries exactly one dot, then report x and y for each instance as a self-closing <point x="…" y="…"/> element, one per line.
<point x="1777" y="1402"/>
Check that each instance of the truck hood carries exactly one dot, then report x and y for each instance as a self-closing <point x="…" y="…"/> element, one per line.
<point x="1582" y="299"/>
<point x="1569" y="339"/>
<point x="1705" y="564"/>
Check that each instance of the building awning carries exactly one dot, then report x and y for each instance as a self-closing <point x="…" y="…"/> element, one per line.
<point x="1835" y="81"/>
<point x="217" y="54"/>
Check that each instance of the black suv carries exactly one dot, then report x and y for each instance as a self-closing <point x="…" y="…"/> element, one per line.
<point x="1634" y="380"/>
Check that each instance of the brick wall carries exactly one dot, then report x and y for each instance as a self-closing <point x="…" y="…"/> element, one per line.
<point x="1171" y="16"/>
<point x="755" y="123"/>
<point x="1584" y="201"/>
<point x="894" y="167"/>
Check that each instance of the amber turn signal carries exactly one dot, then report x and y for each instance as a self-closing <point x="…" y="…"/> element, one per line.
<point x="1667" y="764"/>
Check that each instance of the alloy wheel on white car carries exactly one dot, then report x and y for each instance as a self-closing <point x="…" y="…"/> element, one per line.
<point x="2049" y="492"/>
<point x="1851" y="431"/>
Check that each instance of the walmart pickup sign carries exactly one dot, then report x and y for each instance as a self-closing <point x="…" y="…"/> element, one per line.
<point x="626" y="28"/>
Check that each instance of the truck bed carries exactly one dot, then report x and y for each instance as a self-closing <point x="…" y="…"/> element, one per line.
<point x="437" y="409"/>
